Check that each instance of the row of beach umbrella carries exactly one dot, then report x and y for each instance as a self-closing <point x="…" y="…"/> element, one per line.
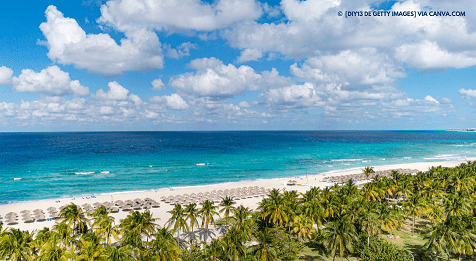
<point x="216" y="195"/>
<point x="380" y="173"/>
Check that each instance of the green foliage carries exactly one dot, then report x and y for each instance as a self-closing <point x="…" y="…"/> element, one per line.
<point x="327" y="220"/>
<point x="379" y="250"/>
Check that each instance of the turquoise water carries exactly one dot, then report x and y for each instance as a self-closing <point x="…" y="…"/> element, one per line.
<point x="52" y="165"/>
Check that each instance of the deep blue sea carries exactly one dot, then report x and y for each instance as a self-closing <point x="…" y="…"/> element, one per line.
<point x="36" y="166"/>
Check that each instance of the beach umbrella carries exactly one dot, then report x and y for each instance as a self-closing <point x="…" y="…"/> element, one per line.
<point x="25" y="211"/>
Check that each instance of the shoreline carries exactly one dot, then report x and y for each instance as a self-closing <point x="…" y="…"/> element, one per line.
<point x="312" y="180"/>
<point x="171" y="188"/>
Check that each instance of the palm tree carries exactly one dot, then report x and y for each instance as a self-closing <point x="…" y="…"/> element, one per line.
<point x="105" y="226"/>
<point x="367" y="171"/>
<point x="314" y="210"/>
<point x="266" y="249"/>
<point x="227" y="204"/>
<point x="234" y="244"/>
<point x="370" y="192"/>
<point x="455" y="204"/>
<point x="137" y="224"/>
<point x="74" y="216"/>
<point x="241" y="220"/>
<point x="163" y="247"/>
<point x="207" y="212"/>
<point x="302" y="226"/>
<point x="386" y="217"/>
<point x="413" y="207"/>
<point x="369" y="221"/>
<point x="275" y="208"/>
<point x="338" y="236"/>
<point x="124" y="253"/>
<point x="177" y="221"/>
<point x="443" y="237"/>
<point x="15" y="245"/>
<point x="65" y="234"/>
<point x="100" y="211"/>
<point x="51" y="250"/>
<point x="213" y="251"/>
<point x="90" y="248"/>
<point x="192" y="215"/>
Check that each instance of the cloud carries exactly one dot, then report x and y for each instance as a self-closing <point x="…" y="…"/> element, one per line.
<point x="174" y="101"/>
<point x="249" y="55"/>
<point x="431" y="99"/>
<point x="307" y="11"/>
<point x="177" y="15"/>
<point x="51" y="81"/>
<point x="468" y="94"/>
<point x="99" y="53"/>
<point x="428" y="55"/>
<point x="5" y="75"/>
<point x="158" y="85"/>
<point x="364" y="66"/>
<point x="181" y="51"/>
<point x="244" y="104"/>
<point x="311" y="28"/>
<point x="214" y="79"/>
<point x="115" y="92"/>
<point x="293" y="97"/>
<point x="106" y="110"/>
<point x="136" y="99"/>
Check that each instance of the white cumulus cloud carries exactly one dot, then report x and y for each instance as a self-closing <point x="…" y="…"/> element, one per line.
<point x="157" y="85"/>
<point x="50" y="81"/>
<point x="249" y="55"/>
<point x="469" y="93"/>
<point x="5" y="75"/>
<point x="174" y="101"/>
<point x="115" y="92"/>
<point x="68" y="43"/>
<point x="214" y="79"/>
<point x="178" y="15"/>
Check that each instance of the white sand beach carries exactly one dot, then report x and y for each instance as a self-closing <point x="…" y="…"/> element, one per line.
<point x="304" y="183"/>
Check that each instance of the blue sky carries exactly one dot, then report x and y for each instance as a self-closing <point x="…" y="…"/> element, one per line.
<point x="235" y="65"/>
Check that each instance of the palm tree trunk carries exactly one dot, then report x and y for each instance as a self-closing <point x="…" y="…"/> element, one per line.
<point x="368" y="242"/>
<point x="413" y="226"/>
<point x="334" y="257"/>
<point x="379" y="234"/>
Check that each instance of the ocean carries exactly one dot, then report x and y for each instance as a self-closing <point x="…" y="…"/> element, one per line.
<point x="35" y="166"/>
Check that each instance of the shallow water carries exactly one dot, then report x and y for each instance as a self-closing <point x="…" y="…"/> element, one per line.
<point x="37" y="166"/>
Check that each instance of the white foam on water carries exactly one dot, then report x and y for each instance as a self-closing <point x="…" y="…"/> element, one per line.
<point x="16" y="178"/>
<point x="407" y="157"/>
<point x="444" y="155"/>
<point x="346" y="159"/>
<point x="200" y="164"/>
<point x="105" y="172"/>
<point x="382" y="159"/>
<point x="365" y="161"/>
<point x="84" y="173"/>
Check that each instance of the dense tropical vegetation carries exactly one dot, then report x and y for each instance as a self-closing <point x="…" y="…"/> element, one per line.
<point x="342" y="221"/>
